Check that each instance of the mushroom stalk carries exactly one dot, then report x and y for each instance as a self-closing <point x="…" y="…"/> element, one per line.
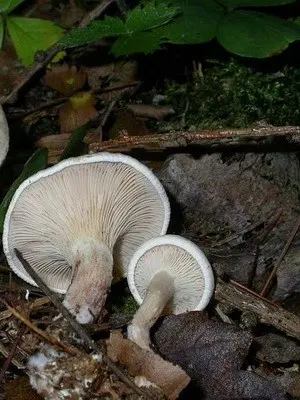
<point x="92" y="276"/>
<point x="160" y="291"/>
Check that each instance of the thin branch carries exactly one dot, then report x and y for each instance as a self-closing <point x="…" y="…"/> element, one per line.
<point x="95" y="13"/>
<point x="51" y="339"/>
<point x="12" y="351"/>
<point x="213" y="139"/>
<point x="13" y="95"/>
<point x="267" y="313"/>
<point x="81" y="332"/>
<point x="246" y="289"/>
<point x="281" y="257"/>
<point x="60" y="100"/>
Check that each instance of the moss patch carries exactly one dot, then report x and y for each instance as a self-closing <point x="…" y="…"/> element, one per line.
<point x="233" y="95"/>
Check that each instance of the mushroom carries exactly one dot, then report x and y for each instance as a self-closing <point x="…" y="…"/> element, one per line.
<point x="167" y="273"/>
<point x="4" y="136"/>
<point x="75" y="221"/>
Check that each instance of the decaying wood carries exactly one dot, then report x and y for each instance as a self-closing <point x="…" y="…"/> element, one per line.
<point x="258" y="136"/>
<point x="267" y="313"/>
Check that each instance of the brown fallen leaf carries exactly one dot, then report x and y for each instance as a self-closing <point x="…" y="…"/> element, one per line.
<point x="70" y="13"/>
<point x="147" y="366"/>
<point x="126" y="120"/>
<point x="65" y="79"/>
<point x="213" y="353"/>
<point x="11" y="70"/>
<point x="19" y="389"/>
<point x="294" y="387"/>
<point x="78" y="110"/>
<point x="151" y="112"/>
<point x="108" y="75"/>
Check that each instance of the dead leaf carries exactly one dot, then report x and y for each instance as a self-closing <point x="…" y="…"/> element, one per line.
<point x="108" y="75"/>
<point x="65" y="79"/>
<point x="151" y="112"/>
<point x="147" y="366"/>
<point x="71" y="13"/>
<point x="95" y="75"/>
<point x="125" y="71"/>
<point x="78" y="110"/>
<point x="11" y="70"/>
<point x="294" y="387"/>
<point x="213" y="353"/>
<point x="19" y="389"/>
<point x="125" y="120"/>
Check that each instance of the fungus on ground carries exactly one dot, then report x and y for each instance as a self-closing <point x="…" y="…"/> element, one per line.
<point x="75" y="221"/>
<point x="167" y="273"/>
<point x="4" y="136"/>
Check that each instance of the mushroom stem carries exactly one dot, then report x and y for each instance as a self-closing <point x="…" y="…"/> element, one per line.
<point x="92" y="276"/>
<point x="160" y="291"/>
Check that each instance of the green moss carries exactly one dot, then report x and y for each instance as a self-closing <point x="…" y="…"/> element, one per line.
<point x="124" y="305"/>
<point x="233" y="95"/>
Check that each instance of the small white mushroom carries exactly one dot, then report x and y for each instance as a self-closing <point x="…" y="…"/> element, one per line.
<point x="76" y="220"/>
<point x="4" y="136"/>
<point x="170" y="274"/>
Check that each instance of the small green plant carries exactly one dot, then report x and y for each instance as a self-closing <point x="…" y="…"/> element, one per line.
<point x="233" y="23"/>
<point x="28" y="35"/>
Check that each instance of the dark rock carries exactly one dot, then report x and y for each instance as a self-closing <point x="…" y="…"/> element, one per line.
<point x="213" y="353"/>
<point x="226" y="206"/>
<point x="275" y="348"/>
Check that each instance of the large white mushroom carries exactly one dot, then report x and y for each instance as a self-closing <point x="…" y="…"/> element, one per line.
<point x="77" y="220"/>
<point x="4" y="136"/>
<point x="168" y="273"/>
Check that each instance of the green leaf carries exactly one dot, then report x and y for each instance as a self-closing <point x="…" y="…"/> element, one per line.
<point x="75" y="144"/>
<point x="150" y="16"/>
<point x="97" y="30"/>
<point x="139" y="42"/>
<point x="36" y="162"/>
<point x="194" y="26"/>
<point x="139" y="19"/>
<point x="231" y="4"/>
<point x="30" y="35"/>
<point x="6" y="6"/>
<point x="1" y="31"/>
<point x="197" y="24"/>
<point x="254" y="34"/>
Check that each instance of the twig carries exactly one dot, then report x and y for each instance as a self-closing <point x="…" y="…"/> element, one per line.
<point x="60" y="100"/>
<point x="267" y="313"/>
<point x="12" y="352"/>
<point x="107" y="113"/>
<point x="246" y="289"/>
<point x="78" y="328"/>
<point x="12" y="97"/>
<point x="5" y="353"/>
<point x="95" y="13"/>
<point x="215" y="138"/>
<point x="33" y="305"/>
<point x="259" y="241"/>
<point x="71" y="350"/>
<point x="281" y="257"/>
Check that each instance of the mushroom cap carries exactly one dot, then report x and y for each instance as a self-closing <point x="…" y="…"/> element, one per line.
<point x="181" y="259"/>
<point x="112" y="198"/>
<point x="4" y="136"/>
